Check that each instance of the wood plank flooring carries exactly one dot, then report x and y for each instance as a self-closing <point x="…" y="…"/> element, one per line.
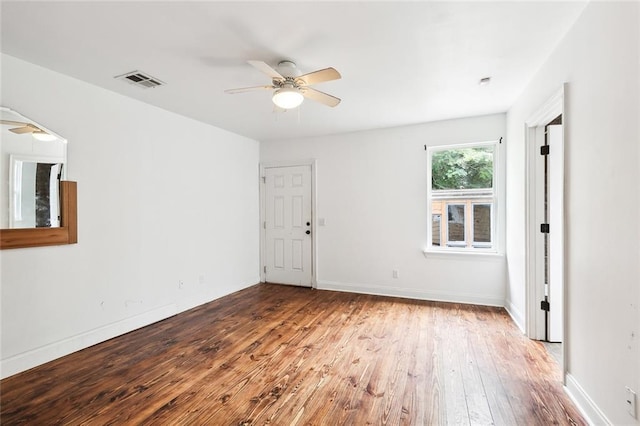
<point x="283" y="355"/>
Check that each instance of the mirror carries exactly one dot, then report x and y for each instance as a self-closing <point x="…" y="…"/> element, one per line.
<point x="34" y="192"/>
<point x="32" y="163"/>
<point x="37" y="206"/>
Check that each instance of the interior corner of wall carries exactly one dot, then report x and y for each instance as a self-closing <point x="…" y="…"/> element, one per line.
<point x="515" y="314"/>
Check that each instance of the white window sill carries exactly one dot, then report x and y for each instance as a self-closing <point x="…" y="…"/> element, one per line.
<point x="458" y="254"/>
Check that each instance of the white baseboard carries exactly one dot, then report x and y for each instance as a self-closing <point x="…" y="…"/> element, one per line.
<point x="584" y="403"/>
<point x="196" y="300"/>
<point x="410" y="293"/>
<point x="516" y="315"/>
<point x="41" y="355"/>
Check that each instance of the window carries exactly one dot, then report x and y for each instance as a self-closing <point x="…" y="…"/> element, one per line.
<point x="456" y="229"/>
<point x="481" y="225"/>
<point x="435" y="226"/>
<point x="462" y="197"/>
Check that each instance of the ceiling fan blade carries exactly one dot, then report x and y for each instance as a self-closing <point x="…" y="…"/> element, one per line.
<point x="21" y="130"/>
<point x="266" y="69"/>
<point x="24" y="127"/>
<point x="14" y="123"/>
<point x="248" y="89"/>
<point x="321" y="97"/>
<point x="28" y="128"/>
<point x="319" y="76"/>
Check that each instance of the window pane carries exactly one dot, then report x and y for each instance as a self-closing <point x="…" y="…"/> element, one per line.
<point x="465" y="168"/>
<point x="482" y="223"/>
<point x="435" y="229"/>
<point x="455" y="223"/>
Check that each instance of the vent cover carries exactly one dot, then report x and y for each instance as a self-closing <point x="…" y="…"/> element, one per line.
<point x="140" y="79"/>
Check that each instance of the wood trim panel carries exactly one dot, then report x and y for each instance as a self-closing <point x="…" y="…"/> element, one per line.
<point x="69" y="197"/>
<point x="38" y="237"/>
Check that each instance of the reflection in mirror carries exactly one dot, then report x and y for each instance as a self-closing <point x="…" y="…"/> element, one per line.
<point x="34" y="189"/>
<point x="32" y="162"/>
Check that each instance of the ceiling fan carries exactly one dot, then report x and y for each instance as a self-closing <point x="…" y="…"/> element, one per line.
<point x="23" y="128"/>
<point x="290" y="87"/>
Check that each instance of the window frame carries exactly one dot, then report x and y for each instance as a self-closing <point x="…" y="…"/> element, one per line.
<point x="474" y="196"/>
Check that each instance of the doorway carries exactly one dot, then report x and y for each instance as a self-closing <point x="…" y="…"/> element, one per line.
<point x="545" y="224"/>
<point x="287" y="224"/>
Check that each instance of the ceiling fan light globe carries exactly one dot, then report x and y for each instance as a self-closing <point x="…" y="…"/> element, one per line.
<point x="44" y="136"/>
<point x="287" y="97"/>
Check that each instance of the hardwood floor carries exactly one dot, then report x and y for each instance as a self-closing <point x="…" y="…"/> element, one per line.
<point x="284" y="355"/>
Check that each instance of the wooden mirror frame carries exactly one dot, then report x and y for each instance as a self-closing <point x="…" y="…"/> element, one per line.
<point x="38" y="237"/>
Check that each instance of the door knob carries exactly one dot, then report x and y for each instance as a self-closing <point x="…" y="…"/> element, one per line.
<point x="308" y="223"/>
<point x="308" y="232"/>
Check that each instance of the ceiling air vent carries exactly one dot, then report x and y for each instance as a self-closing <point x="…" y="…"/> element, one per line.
<point x="140" y="79"/>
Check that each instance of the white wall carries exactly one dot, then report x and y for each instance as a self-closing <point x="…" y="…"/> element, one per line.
<point x="599" y="60"/>
<point x="371" y="192"/>
<point x="161" y="198"/>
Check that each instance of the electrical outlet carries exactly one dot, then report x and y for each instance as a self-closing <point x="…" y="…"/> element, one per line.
<point x="396" y="273"/>
<point x="631" y="403"/>
<point x="180" y="284"/>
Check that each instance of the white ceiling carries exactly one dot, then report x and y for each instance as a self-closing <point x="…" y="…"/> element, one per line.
<point x="401" y="62"/>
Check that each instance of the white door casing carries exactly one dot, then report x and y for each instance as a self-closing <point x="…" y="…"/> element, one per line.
<point x="555" y="186"/>
<point x="287" y="224"/>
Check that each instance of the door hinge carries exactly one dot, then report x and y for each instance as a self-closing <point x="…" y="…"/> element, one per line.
<point x="264" y="269"/>
<point x="544" y="305"/>
<point x="544" y="150"/>
<point x="544" y="228"/>
<point x="264" y="179"/>
<point x="264" y="225"/>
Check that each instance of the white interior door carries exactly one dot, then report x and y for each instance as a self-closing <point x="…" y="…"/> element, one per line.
<point x="544" y="204"/>
<point x="556" y="235"/>
<point x="288" y="239"/>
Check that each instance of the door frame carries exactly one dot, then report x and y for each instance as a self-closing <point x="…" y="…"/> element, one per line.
<point x="263" y="232"/>
<point x="534" y="137"/>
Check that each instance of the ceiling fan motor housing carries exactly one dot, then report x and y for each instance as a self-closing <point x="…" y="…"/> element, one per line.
<point x="288" y="94"/>
<point x="288" y="69"/>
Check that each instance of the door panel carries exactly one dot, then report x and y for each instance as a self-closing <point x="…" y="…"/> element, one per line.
<point x="278" y="253"/>
<point x="288" y="239"/>
<point x="297" y="255"/>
